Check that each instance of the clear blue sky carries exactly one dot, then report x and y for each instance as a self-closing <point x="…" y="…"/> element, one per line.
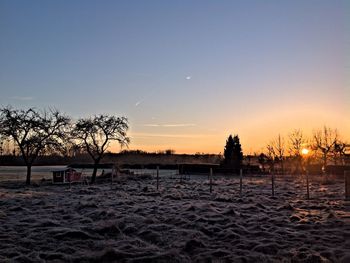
<point x="186" y="73"/>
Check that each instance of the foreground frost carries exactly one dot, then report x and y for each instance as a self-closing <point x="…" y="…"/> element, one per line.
<point x="183" y="222"/>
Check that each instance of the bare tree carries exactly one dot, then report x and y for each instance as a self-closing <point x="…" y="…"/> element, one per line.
<point x="95" y="134"/>
<point x="339" y="152"/>
<point x="5" y="145"/>
<point x="263" y="160"/>
<point x="324" y="141"/>
<point x="279" y="149"/>
<point x="296" y="143"/>
<point x="271" y="156"/>
<point x="33" y="132"/>
<point x="2" y="140"/>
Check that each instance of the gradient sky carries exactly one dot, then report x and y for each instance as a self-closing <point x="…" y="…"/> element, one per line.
<point x="185" y="73"/>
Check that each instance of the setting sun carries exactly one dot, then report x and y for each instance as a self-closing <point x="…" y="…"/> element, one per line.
<point x="305" y="151"/>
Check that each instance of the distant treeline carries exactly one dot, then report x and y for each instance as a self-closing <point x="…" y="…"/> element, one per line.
<point x="127" y="158"/>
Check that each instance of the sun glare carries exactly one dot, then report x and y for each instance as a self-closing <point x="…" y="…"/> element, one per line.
<point x="305" y="151"/>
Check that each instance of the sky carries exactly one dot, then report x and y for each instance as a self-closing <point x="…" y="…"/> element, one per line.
<point x="185" y="73"/>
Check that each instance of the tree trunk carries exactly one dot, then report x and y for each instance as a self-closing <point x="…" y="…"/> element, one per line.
<point x="272" y="168"/>
<point x="29" y="173"/>
<point x="324" y="163"/>
<point x="299" y="165"/>
<point x="94" y="173"/>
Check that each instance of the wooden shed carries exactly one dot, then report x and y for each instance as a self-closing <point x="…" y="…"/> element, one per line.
<point x="67" y="175"/>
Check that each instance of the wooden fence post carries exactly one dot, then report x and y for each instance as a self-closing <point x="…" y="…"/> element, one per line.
<point x="70" y="180"/>
<point x="307" y="185"/>
<point x="240" y="181"/>
<point x="273" y="183"/>
<point x="347" y="184"/>
<point x="112" y="174"/>
<point x="157" y="178"/>
<point x="211" y="179"/>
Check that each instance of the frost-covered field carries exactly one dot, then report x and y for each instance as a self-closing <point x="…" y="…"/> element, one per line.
<point x="183" y="222"/>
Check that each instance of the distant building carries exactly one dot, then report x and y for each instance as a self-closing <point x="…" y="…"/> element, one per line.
<point x="67" y="175"/>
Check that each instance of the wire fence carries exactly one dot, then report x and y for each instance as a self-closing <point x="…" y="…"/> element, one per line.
<point x="309" y="186"/>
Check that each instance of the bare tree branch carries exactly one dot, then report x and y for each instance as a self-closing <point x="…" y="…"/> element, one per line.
<point x="34" y="132"/>
<point x="94" y="135"/>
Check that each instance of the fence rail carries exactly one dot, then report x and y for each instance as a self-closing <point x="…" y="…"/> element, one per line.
<point x="309" y="185"/>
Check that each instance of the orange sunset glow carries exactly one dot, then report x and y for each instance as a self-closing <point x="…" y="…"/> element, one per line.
<point x="175" y="131"/>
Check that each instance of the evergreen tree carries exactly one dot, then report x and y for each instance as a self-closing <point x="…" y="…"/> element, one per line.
<point x="233" y="155"/>
<point x="228" y="151"/>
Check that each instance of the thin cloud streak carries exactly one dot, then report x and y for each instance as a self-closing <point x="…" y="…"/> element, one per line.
<point x="138" y="103"/>
<point x="171" y="125"/>
<point x="24" y="98"/>
<point x="148" y="135"/>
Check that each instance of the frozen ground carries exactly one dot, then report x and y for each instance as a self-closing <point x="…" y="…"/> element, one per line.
<point x="183" y="222"/>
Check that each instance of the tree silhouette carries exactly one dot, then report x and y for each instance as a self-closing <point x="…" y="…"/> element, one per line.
<point x="228" y="151"/>
<point x="233" y="155"/>
<point x="296" y="143"/>
<point x="2" y="139"/>
<point x="279" y="147"/>
<point x="95" y="134"/>
<point x="339" y="152"/>
<point x="34" y="132"/>
<point x="263" y="160"/>
<point x="324" y="141"/>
